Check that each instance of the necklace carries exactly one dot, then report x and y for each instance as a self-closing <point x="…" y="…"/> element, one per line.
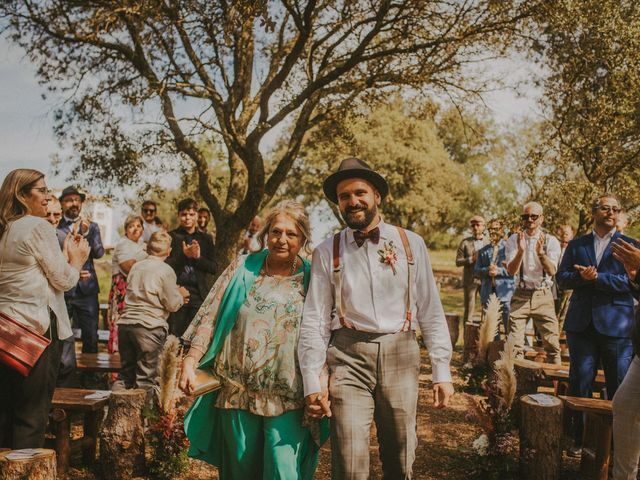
<point x="294" y="264"/>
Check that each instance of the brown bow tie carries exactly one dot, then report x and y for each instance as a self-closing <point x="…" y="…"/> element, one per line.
<point x="372" y="235"/>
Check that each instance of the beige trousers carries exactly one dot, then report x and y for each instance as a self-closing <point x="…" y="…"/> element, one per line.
<point x="539" y="306"/>
<point x="373" y="377"/>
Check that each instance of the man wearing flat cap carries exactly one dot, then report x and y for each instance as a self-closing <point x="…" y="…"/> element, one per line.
<point x="82" y="301"/>
<point x="466" y="257"/>
<point x="371" y="286"/>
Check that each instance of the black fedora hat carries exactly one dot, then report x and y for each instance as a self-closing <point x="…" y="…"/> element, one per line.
<point x="71" y="190"/>
<point x="354" y="168"/>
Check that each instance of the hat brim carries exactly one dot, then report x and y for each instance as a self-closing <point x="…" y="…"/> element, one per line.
<point x="330" y="185"/>
<point x="81" y="195"/>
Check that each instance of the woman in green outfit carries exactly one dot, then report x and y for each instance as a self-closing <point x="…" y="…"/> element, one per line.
<point x="247" y="333"/>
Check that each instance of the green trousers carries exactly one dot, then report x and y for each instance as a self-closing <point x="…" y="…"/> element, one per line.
<point x="268" y="448"/>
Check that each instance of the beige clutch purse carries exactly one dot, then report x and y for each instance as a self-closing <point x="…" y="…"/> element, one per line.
<point x="206" y="381"/>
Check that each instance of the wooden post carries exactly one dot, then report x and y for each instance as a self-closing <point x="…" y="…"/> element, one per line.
<point x="471" y="335"/>
<point x="40" y="467"/>
<point x="596" y="448"/>
<point x="122" y="436"/>
<point x="528" y="375"/>
<point x="540" y="438"/>
<point x="61" y="424"/>
<point x="453" y="322"/>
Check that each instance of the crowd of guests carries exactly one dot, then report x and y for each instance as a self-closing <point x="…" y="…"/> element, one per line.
<point x="295" y="342"/>
<point x="586" y="287"/>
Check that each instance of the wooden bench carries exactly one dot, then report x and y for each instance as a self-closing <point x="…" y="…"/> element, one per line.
<point x="69" y="401"/>
<point x="538" y="354"/>
<point x="99" y="362"/>
<point x="596" y="442"/>
<point x="103" y="335"/>
<point x="559" y="376"/>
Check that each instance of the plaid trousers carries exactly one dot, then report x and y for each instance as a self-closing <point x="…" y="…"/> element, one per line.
<point x="373" y="377"/>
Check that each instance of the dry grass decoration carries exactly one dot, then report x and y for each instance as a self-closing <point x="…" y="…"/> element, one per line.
<point x="166" y="421"/>
<point x="475" y="374"/>
<point x="497" y="448"/>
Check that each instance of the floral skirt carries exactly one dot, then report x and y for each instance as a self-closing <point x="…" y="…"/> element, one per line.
<point x="116" y="305"/>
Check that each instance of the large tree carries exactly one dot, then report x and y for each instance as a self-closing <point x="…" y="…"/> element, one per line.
<point x="591" y="141"/>
<point x="147" y="80"/>
<point x="402" y="143"/>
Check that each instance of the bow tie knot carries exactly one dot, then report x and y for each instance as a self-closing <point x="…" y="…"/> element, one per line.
<point x="372" y="235"/>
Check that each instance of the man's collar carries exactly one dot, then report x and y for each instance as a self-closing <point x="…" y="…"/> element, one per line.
<point x="535" y="235"/>
<point x="607" y="236"/>
<point x="69" y="220"/>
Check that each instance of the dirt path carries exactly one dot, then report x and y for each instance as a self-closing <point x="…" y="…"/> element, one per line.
<point x="445" y="437"/>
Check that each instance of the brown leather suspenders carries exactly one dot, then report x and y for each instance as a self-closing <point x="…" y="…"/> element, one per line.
<point x="337" y="280"/>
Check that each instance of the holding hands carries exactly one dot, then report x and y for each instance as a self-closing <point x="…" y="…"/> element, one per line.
<point x="317" y="405"/>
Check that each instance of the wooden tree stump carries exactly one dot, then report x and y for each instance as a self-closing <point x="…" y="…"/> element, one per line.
<point x="40" y="467"/>
<point x="528" y="375"/>
<point x="453" y="322"/>
<point x="540" y="438"/>
<point x="471" y="335"/>
<point x="122" y="437"/>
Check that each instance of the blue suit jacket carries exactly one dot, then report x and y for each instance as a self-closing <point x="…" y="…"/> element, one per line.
<point x="505" y="283"/>
<point x="606" y="302"/>
<point x="90" y="286"/>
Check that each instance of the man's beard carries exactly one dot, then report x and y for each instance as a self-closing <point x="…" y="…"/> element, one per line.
<point x="369" y="215"/>
<point x="72" y="213"/>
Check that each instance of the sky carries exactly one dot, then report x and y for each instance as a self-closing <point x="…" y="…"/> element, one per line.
<point x="26" y="125"/>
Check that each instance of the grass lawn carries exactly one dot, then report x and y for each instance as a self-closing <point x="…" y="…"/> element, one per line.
<point x="103" y="270"/>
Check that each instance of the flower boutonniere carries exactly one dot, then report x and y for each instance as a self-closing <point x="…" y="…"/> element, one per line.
<point x="388" y="255"/>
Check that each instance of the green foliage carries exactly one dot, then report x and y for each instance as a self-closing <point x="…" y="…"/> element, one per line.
<point x="143" y="82"/>
<point x="591" y="142"/>
<point x="169" y="445"/>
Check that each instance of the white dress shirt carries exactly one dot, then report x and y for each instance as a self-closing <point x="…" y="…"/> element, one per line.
<point x="148" y="230"/>
<point x="374" y="300"/>
<point x="600" y="244"/>
<point x="531" y="265"/>
<point x="34" y="274"/>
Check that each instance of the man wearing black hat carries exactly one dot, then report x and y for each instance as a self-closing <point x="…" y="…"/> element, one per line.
<point x="371" y="286"/>
<point x="82" y="301"/>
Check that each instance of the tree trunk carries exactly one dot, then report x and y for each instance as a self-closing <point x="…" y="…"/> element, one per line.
<point x="122" y="436"/>
<point x="453" y="322"/>
<point x="226" y="249"/>
<point x="471" y="335"/>
<point x="540" y="439"/>
<point x="41" y="467"/>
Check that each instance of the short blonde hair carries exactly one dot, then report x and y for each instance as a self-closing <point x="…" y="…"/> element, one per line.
<point x="159" y="244"/>
<point x="296" y="212"/>
<point x="133" y="218"/>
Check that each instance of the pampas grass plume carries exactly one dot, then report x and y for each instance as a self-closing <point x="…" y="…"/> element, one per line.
<point x="168" y="370"/>
<point x="505" y="374"/>
<point x="489" y="327"/>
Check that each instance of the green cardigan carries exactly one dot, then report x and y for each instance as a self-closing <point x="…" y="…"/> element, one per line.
<point x="202" y="422"/>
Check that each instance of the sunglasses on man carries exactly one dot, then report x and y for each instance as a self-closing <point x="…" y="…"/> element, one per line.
<point x="529" y="216"/>
<point x="148" y="210"/>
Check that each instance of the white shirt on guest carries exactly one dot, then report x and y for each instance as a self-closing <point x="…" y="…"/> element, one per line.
<point x="374" y="300"/>
<point x="148" y="230"/>
<point x="531" y="265"/>
<point x="34" y="274"/>
<point x="600" y="244"/>
<point x="126" y="249"/>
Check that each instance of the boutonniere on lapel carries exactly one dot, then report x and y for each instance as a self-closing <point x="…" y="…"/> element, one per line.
<point x="388" y="255"/>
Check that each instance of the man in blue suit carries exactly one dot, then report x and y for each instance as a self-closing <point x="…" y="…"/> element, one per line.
<point x="82" y="300"/>
<point x="490" y="268"/>
<point x="600" y="313"/>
